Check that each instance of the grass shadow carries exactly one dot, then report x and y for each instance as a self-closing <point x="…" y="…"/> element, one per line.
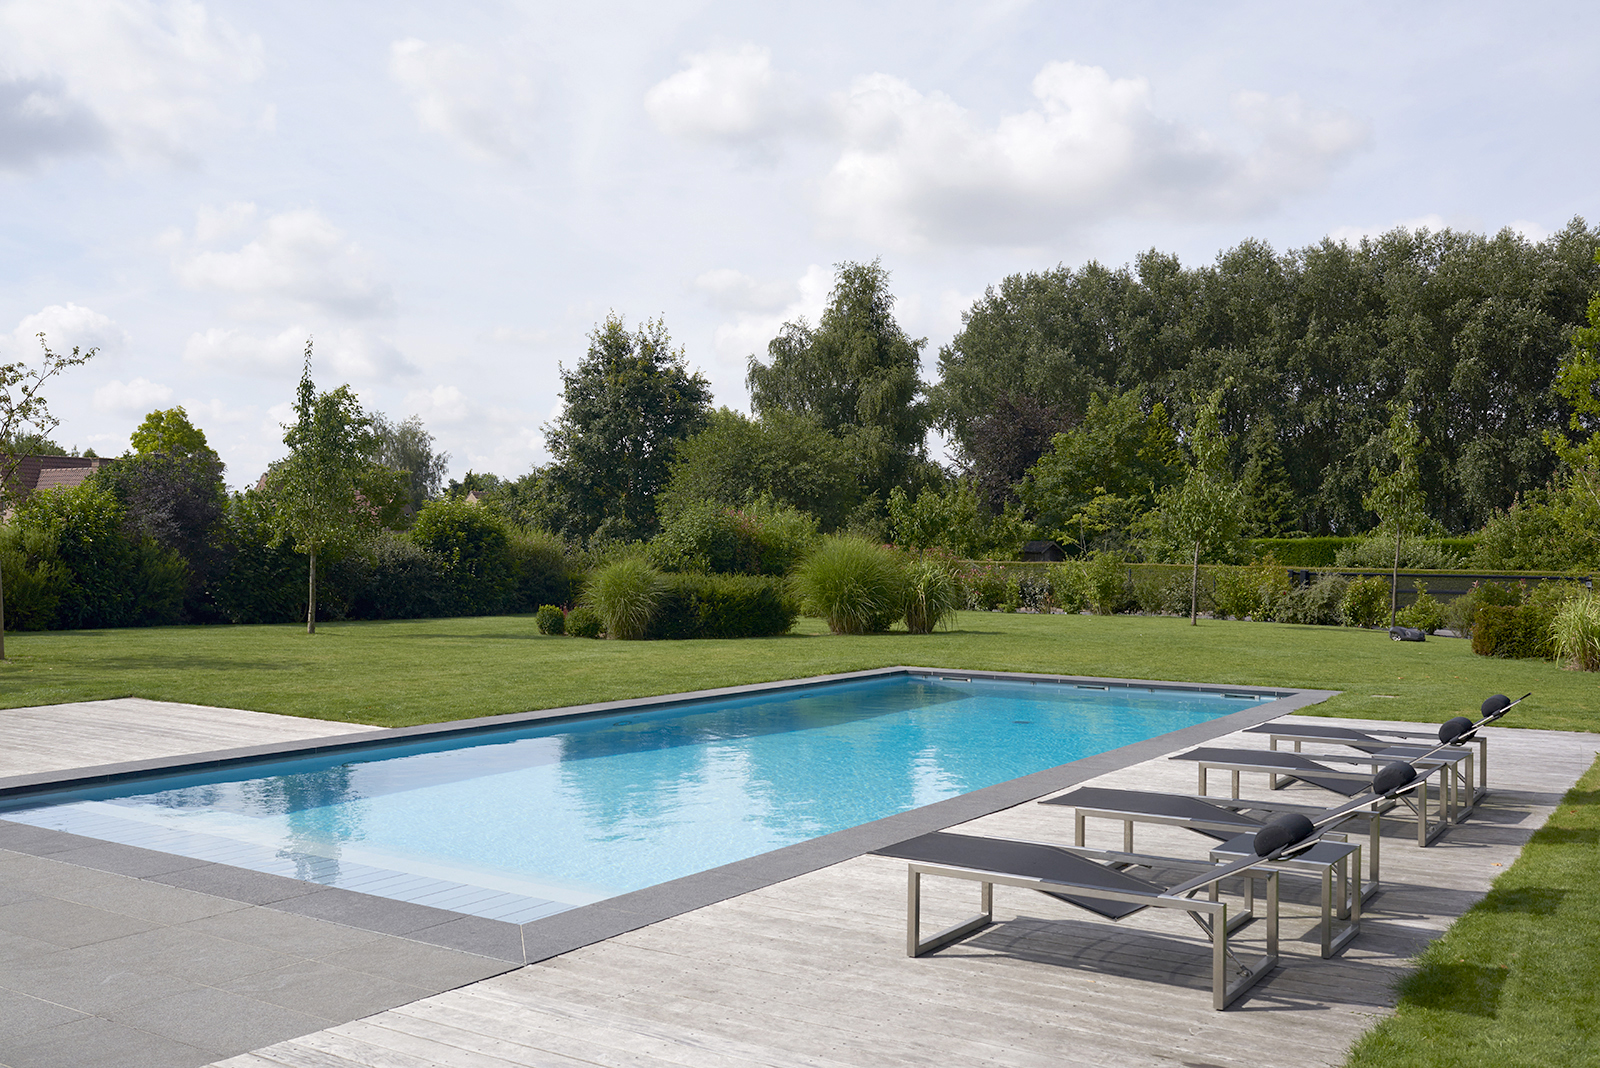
<point x="1471" y="989"/>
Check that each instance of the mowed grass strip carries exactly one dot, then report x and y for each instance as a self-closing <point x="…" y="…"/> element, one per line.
<point x="422" y="671"/>
<point x="1516" y="981"/>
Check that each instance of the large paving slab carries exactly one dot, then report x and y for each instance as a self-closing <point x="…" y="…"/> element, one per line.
<point x="812" y="971"/>
<point x="89" y="733"/>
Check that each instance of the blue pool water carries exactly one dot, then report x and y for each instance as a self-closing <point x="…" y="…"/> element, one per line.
<point x="534" y="819"/>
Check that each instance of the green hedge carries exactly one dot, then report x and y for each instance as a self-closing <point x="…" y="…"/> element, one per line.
<point x="1320" y="552"/>
<point x="722" y="606"/>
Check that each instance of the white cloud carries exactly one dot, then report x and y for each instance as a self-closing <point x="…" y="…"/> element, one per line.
<point x="295" y="258"/>
<point x="730" y="96"/>
<point x="139" y="395"/>
<point x="65" y="327"/>
<point x="1530" y="230"/>
<point x="467" y="96"/>
<point x="751" y="327"/>
<point x="733" y="290"/>
<point x="917" y="168"/>
<point x="149" y="78"/>
<point x="441" y="404"/>
<point x="348" y="354"/>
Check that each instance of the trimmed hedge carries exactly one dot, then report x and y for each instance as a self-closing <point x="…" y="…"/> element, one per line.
<point x="1321" y="552"/>
<point x="721" y="606"/>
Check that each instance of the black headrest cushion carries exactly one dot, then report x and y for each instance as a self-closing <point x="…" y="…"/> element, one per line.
<point x="1282" y="830"/>
<point x="1493" y="706"/>
<point x="1451" y="729"/>
<point x="1392" y="776"/>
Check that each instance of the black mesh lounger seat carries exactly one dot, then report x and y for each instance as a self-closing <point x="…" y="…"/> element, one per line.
<point x="1059" y="873"/>
<point x="1349" y="783"/>
<point x="1396" y="743"/>
<point x="1219" y="819"/>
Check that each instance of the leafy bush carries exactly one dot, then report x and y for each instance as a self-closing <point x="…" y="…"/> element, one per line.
<point x="1575" y="633"/>
<point x="1318" y="604"/>
<point x="1426" y="613"/>
<point x="984" y="585"/>
<point x="761" y="539"/>
<point x="584" y="622"/>
<point x="1105" y="584"/>
<point x="1416" y="553"/>
<point x="474" y="546"/>
<point x="1515" y="632"/>
<point x="33" y="577"/>
<point x="394" y="578"/>
<point x="624" y="594"/>
<point x="932" y="595"/>
<point x="551" y="619"/>
<point x="1164" y="591"/>
<point x="1461" y="613"/>
<point x="1067" y="587"/>
<point x="857" y="586"/>
<point x="1366" y="602"/>
<point x="1250" y="592"/>
<point x="540" y="571"/>
<point x="722" y="606"/>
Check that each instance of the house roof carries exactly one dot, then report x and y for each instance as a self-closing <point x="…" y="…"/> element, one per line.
<point x="54" y="472"/>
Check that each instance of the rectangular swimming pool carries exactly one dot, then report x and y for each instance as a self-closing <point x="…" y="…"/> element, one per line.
<point x="527" y="821"/>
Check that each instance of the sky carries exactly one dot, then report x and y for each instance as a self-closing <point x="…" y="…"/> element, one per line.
<point x="447" y="199"/>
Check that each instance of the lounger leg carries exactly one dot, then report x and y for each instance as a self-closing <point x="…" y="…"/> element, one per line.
<point x="1078" y="828"/>
<point x="916" y="945"/>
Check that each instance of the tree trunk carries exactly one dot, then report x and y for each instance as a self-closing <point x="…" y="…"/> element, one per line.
<point x="1394" y="581"/>
<point x="1194" y="589"/>
<point x="311" y="607"/>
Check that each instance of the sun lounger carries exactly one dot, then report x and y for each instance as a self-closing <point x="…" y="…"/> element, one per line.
<point x="1376" y="740"/>
<point x="1218" y="819"/>
<point x="1058" y="872"/>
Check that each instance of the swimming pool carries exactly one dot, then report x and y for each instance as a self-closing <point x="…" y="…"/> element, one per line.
<point x="536" y="818"/>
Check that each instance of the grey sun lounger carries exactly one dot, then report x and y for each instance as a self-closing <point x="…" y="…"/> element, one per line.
<point x="1223" y="821"/>
<point x="1058" y="872"/>
<point x="1350" y="783"/>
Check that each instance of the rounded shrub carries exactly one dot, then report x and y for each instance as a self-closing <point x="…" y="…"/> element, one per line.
<point x="550" y="619"/>
<point x="1366" y="602"/>
<point x="857" y="586"/>
<point x="584" y="622"/>
<point x="624" y="594"/>
<point x="932" y="595"/>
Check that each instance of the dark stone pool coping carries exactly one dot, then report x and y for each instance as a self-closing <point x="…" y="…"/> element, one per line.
<point x="541" y="939"/>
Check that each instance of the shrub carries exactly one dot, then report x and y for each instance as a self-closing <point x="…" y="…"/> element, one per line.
<point x="584" y="622"/>
<point x="1011" y="597"/>
<point x="1378" y="551"/>
<point x="1067" y="587"/>
<point x="932" y="595"/>
<point x="1250" y="592"/>
<point x="857" y="586"/>
<point x="395" y="578"/>
<point x="33" y="577"/>
<point x="1425" y="613"/>
<point x="1315" y="605"/>
<point x="540" y="572"/>
<point x="985" y="586"/>
<point x="722" y="606"/>
<point x="624" y="594"/>
<point x="1575" y="633"/>
<point x="1366" y="602"/>
<point x="550" y="619"/>
<point x="1164" y="591"/>
<point x="1515" y="632"/>
<point x="760" y="539"/>
<point x="1461" y="613"/>
<point x="474" y="546"/>
<point x="1105" y="579"/>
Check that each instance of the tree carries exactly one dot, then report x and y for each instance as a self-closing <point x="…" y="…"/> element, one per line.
<point x="23" y="411"/>
<point x="1269" y="508"/>
<point x="736" y="460"/>
<point x="629" y="402"/>
<point x="1105" y="472"/>
<point x="407" y="447"/>
<point x="855" y="375"/>
<point x="1005" y="441"/>
<point x="1578" y="383"/>
<point x="169" y="431"/>
<point x="1200" y="516"/>
<point x="1396" y="496"/>
<point x="327" y="493"/>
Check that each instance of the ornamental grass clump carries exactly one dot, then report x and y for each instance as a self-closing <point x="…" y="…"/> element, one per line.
<point x="624" y="594"/>
<point x="932" y="595"/>
<point x="857" y="586"/>
<point x="1575" y="633"/>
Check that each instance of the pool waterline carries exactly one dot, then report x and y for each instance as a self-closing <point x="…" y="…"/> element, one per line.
<point x="1266" y="703"/>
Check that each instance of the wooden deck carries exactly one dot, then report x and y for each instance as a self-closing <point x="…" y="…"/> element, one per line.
<point x="85" y="734"/>
<point x="812" y="972"/>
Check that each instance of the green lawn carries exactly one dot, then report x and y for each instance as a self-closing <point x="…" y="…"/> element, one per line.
<point x="420" y="671"/>
<point x="1516" y="981"/>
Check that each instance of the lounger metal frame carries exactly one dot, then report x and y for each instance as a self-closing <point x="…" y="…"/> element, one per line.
<point x="1420" y="740"/>
<point x="1211" y="916"/>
